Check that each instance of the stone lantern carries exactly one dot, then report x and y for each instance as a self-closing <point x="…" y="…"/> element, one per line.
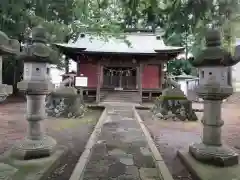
<point x="214" y="86"/>
<point x="7" y="47"/>
<point x="36" y="84"/>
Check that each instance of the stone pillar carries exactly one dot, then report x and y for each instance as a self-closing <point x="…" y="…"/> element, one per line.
<point x="35" y="114"/>
<point x="37" y="85"/>
<point x="212" y="122"/>
<point x="98" y="82"/>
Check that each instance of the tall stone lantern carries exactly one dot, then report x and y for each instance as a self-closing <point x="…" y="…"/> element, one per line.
<point x="214" y="86"/>
<point x="7" y="47"/>
<point x="36" y="84"/>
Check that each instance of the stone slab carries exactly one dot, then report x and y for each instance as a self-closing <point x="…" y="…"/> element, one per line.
<point x="202" y="171"/>
<point x="37" y="169"/>
<point x="163" y="171"/>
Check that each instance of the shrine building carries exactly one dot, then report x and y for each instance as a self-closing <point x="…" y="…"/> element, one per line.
<point x="131" y="67"/>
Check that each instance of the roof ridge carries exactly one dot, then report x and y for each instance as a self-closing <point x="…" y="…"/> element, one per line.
<point x="123" y="33"/>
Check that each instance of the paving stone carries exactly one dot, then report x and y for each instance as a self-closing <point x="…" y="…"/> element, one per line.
<point x="94" y="172"/>
<point x="116" y="170"/>
<point x="132" y="170"/>
<point x="128" y="177"/>
<point x="145" y="151"/>
<point x="121" y="130"/>
<point x="143" y="161"/>
<point x="126" y="160"/>
<point x="150" y="173"/>
<point x="117" y="152"/>
<point x="90" y="178"/>
<point x="132" y="138"/>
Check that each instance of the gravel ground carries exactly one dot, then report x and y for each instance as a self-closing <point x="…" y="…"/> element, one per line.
<point x="73" y="133"/>
<point x="171" y="136"/>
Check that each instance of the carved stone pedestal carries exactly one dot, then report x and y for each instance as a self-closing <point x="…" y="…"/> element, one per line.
<point x="217" y="155"/>
<point x="37" y="144"/>
<point x="34" y="149"/>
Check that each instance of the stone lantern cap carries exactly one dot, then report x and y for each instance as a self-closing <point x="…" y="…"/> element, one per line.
<point x="38" y="51"/>
<point x="214" y="54"/>
<point x="7" y="45"/>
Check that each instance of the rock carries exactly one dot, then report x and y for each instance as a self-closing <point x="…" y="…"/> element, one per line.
<point x="60" y="105"/>
<point x="174" y="105"/>
<point x="159" y="115"/>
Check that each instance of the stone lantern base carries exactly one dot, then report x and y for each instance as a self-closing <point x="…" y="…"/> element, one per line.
<point x="222" y="156"/>
<point x="33" y="149"/>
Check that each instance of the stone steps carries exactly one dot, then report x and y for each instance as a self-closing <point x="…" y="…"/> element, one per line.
<point x="121" y="96"/>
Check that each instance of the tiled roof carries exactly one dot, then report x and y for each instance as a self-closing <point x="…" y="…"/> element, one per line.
<point x="144" y="43"/>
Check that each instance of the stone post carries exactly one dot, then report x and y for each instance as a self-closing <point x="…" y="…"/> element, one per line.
<point x="37" y="85"/>
<point x="7" y="47"/>
<point x="213" y="64"/>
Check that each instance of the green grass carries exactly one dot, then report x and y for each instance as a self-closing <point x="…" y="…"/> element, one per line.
<point x="90" y="117"/>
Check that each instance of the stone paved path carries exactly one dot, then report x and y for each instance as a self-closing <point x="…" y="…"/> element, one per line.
<point x="121" y="152"/>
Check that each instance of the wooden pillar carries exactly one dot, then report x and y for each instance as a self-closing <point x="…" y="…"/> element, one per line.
<point x="99" y="74"/>
<point x="140" y="72"/>
<point x="150" y="96"/>
<point x="78" y="66"/>
<point x="161" y="78"/>
<point x="78" y="69"/>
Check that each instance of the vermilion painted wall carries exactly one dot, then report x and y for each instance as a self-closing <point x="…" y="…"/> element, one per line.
<point x="150" y="77"/>
<point x="89" y="70"/>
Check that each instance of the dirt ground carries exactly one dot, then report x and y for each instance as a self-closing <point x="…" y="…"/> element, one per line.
<point x="171" y="136"/>
<point x="73" y="133"/>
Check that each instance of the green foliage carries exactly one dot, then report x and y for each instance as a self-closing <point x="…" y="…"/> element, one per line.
<point x="178" y="67"/>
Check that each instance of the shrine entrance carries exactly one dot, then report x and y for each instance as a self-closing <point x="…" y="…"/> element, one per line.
<point x="120" y="78"/>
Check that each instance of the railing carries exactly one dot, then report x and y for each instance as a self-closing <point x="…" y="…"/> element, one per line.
<point x="127" y="82"/>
